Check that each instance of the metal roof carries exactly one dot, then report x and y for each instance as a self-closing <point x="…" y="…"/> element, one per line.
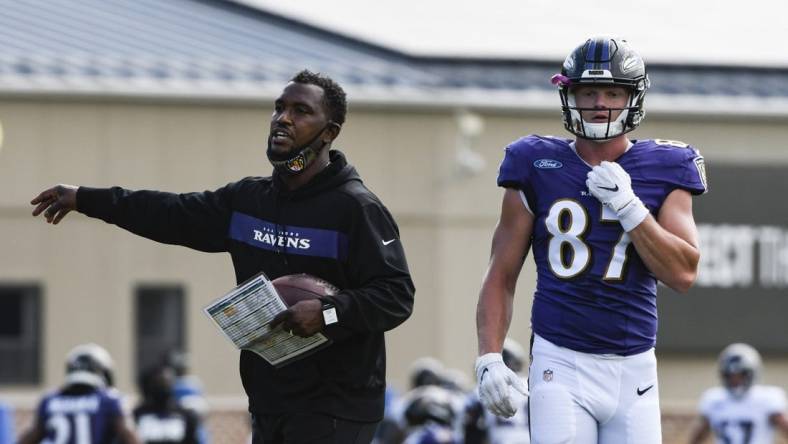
<point x="203" y="49"/>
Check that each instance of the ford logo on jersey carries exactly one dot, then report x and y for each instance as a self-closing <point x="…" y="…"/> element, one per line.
<point x="547" y="164"/>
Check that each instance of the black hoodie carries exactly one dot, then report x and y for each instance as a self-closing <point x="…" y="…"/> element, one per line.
<point x="333" y="228"/>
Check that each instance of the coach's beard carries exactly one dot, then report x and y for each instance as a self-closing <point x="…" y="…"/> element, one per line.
<point x="289" y="163"/>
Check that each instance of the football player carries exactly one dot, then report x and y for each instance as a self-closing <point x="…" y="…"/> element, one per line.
<point x="429" y="416"/>
<point x="159" y="418"/>
<point x="188" y="391"/>
<point x="87" y="409"/>
<point x="741" y="411"/>
<point x="424" y="372"/>
<point x="607" y="218"/>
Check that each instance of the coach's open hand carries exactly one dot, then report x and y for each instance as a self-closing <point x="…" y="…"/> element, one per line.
<point x="57" y="201"/>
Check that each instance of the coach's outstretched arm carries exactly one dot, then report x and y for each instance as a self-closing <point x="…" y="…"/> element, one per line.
<point x="55" y="202"/>
<point x="194" y="220"/>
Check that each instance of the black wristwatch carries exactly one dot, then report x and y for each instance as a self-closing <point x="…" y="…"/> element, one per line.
<point x="329" y="314"/>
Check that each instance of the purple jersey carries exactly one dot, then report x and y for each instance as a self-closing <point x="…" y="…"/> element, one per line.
<point x="85" y="418"/>
<point x="593" y="292"/>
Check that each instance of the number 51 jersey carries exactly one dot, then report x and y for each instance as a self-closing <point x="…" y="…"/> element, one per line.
<point x="79" y="418"/>
<point x="593" y="293"/>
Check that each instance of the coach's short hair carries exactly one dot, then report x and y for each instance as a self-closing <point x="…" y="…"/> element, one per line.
<point x="333" y="94"/>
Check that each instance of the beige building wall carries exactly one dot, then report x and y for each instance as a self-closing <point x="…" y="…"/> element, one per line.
<point x="407" y="156"/>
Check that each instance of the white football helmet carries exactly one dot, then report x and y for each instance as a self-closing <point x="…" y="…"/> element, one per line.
<point x="740" y="365"/>
<point x="89" y="364"/>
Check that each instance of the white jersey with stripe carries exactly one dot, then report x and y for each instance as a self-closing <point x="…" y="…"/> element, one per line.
<point x="745" y="420"/>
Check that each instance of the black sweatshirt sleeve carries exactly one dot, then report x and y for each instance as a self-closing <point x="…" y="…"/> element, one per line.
<point x="381" y="296"/>
<point x="195" y="220"/>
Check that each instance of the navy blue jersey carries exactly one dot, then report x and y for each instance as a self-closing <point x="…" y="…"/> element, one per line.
<point x="593" y="292"/>
<point x="85" y="418"/>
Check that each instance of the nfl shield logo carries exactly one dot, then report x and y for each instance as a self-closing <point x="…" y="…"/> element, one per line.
<point x="547" y="375"/>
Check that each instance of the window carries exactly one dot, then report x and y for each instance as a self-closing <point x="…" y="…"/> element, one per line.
<point x="20" y="333"/>
<point x="160" y="323"/>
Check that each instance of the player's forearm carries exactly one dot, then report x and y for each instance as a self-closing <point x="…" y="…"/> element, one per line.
<point x="493" y="316"/>
<point x="673" y="260"/>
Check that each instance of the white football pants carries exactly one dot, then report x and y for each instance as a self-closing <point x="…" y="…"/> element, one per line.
<point x="581" y="398"/>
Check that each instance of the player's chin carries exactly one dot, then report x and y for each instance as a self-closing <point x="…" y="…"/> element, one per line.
<point x="281" y="147"/>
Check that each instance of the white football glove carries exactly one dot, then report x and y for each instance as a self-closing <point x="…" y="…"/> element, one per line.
<point x="609" y="183"/>
<point x="494" y="378"/>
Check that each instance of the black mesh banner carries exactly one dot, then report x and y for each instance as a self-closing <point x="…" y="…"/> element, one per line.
<point x="741" y="294"/>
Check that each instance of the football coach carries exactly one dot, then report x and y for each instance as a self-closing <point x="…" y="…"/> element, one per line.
<point x="327" y="224"/>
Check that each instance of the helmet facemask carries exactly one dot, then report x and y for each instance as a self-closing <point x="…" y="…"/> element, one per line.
<point x="738" y="382"/>
<point x="628" y="119"/>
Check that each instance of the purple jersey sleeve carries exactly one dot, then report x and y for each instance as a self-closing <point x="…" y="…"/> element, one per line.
<point x="112" y="403"/>
<point x="512" y="173"/>
<point x="677" y="164"/>
<point x="520" y="159"/>
<point x="694" y="179"/>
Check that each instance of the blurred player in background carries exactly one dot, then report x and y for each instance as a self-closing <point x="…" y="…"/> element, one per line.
<point x="187" y="390"/>
<point x="607" y="218"/>
<point x="741" y="411"/>
<point x="429" y="416"/>
<point x="87" y="409"/>
<point x="480" y="426"/>
<point x="426" y="371"/>
<point x="159" y="418"/>
<point x="423" y="372"/>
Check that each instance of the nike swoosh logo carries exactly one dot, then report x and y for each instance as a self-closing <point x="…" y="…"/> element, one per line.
<point x="640" y="392"/>
<point x="388" y="241"/>
<point x="615" y="188"/>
